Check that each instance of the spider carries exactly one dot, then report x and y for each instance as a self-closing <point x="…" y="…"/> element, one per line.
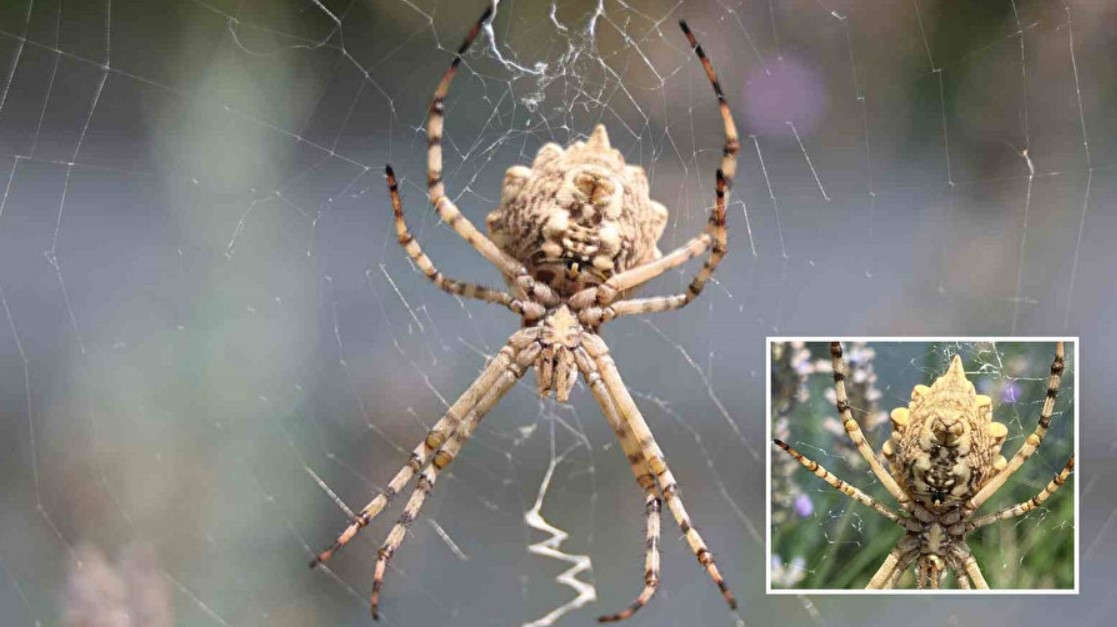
<point x="573" y="236"/>
<point x="944" y="461"/>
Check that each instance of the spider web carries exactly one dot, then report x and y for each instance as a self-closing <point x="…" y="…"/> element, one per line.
<point x="212" y="345"/>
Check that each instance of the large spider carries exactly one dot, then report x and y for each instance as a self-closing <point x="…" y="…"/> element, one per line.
<point x="573" y="236"/>
<point x="944" y="461"/>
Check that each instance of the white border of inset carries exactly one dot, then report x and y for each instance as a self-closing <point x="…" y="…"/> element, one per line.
<point x="927" y="592"/>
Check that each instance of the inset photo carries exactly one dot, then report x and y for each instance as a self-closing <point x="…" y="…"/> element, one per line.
<point x="922" y="465"/>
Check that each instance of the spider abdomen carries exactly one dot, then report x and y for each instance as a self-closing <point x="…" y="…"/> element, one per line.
<point x="944" y="445"/>
<point x="578" y="215"/>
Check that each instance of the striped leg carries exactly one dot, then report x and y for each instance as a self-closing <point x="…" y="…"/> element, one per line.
<point x="652" y="502"/>
<point x="837" y="483"/>
<point x="713" y="239"/>
<point x="447" y="210"/>
<point x="960" y="575"/>
<point x="885" y="576"/>
<point x="652" y="505"/>
<point x="434" y="439"/>
<point x="657" y="304"/>
<point x="1023" y="508"/>
<point x="599" y="352"/>
<point x="969" y="565"/>
<point x="923" y="574"/>
<point x="901" y="568"/>
<point x="854" y="429"/>
<point x="1032" y="442"/>
<point x="507" y="377"/>
<point x="426" y="266"/>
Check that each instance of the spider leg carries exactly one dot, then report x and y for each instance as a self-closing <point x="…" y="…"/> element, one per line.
<point x="509" y="374"/>
<point x="521" y="281"/>
<point x="1032" y="442"/>
<point x="605" y="293"/>
<point x="935" y="572"/>
<point x="712" y="239"/>
<point x="838" y="484"/>
<point x="679" y="256"/>
<point x="1023" y="508"/>
<point x="435" y="438"/>
<point x="426" y="266"/>
<point x="652" y="502"/>
<point x="898" y="561"/>
<point x="655" y="462"/>
<point x="901" y="568"/>
<point x="969" y="565"/>
<point x="963" y="580"/>
<point x="854" y="429"/>
<point x="956" y="567"/>
<point x="883" y="577"/>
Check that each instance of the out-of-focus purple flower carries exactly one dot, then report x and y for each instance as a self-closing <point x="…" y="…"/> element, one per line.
<point x="803" y="506"/>
<point x="1010" y="393"/>
<point x="787" y="90"/>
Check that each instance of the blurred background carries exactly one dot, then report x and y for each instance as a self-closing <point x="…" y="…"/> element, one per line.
<point x="821" y="539"/>
<point x="209" y="336"/>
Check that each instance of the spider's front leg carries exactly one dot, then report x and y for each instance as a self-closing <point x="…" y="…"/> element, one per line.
<point x="509" y="374"/>
<point x="435" y="438"/>
<point x="655" y="463"/>
<point x="898" y="561"/>
<point x="645" y="479"/>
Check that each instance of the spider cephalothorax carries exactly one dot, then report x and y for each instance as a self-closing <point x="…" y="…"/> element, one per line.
<point x="945" y="444"/>
<point x="945" y="462"/>
<point x="555" y="368"/>
<point x="572" y="237"/>
<point x="578" y="215"/>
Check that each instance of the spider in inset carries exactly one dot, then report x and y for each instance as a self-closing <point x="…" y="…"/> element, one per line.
<point x="574" y="235"/>
<point x="944" y="461"/>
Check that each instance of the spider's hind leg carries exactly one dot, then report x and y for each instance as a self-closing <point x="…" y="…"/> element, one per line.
<point x="522" y="282"/>
<point x="424" y="263"/>
<point x="838" y="484"/>
<point x="714" y="238"/>
<point x="1033" y="441"/>
<point x="1023" y="508"/>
